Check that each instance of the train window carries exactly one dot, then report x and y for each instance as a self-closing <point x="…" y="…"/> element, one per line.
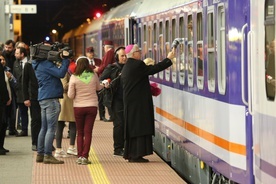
<point x="221" y="51"/>
<point x="199" y="59"/>
<point x="167" y="47"/>
<point x="181" y="52"/>
<point x="174" y="33"/>
<point x="211" y="51"/>
<point x="190" y="28"/>
<point x="190" y="51"/>
<point x="269" y="24"/>
<point x="154" y="52"/>
<point x="173" y="29"/>
<point x="161" y="53"/>
<point x="145" y="33"/>
<point x="145" y="50"/>
<point x="149" y="40"/>
<point x="135" y="35"/>
<point x="167" y="31"/>
<point x="139" y="37"/>
<point x="161" y="47"/>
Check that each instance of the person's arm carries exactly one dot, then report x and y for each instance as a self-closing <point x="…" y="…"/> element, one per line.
<point x="71" y="88"/>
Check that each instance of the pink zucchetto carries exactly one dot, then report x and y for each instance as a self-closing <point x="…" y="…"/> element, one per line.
<point x="129" y="48"/>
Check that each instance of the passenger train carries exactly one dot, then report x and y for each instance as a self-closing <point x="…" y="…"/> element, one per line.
<point x="215" y="119"/>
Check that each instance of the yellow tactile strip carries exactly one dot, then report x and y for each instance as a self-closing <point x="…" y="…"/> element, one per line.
<point x="105" y="168"/>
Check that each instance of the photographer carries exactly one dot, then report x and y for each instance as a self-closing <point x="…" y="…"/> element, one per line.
<point x="48" y="74"/>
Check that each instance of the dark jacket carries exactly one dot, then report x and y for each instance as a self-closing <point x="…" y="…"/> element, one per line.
<point x="113" y="72"/>
<point x="4" y="96"/>
<point x="138" y="104"/>
<point x="30" y="84"/>
<point x="48" y="76"/>
<point x="18" y="74"/>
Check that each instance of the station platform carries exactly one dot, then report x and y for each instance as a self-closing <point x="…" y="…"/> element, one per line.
<point x="19" y="165"/>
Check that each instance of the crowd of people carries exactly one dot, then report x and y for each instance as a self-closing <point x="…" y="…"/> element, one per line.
<point x="73" y="91"/>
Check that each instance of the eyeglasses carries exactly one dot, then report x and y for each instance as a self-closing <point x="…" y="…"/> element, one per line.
<point x="137" y="51"/>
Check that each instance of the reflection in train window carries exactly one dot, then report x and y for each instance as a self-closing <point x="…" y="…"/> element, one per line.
<point x="139" y="35"/>
<point x="270" y="49"/>
<point x="150" y="36"/>
<point x="221" y="51"/>
<point x="190" y="58"/>
<point x="200" y="66"/>
<point x="173" y="67"/>
<point x="145" y="46"/>
<point x="167" y="47"/>
<point x="161" y="54"/>
<point x="190" y="28"/>
<point x="190" y="51"/>
<point x="199" y="59"/>
<point x="211" y="51"/>
<point x="155" y="43"/>
<point x="145" y="50"/>
<point x="181" y="45"/>
<point x="135" y="38"/>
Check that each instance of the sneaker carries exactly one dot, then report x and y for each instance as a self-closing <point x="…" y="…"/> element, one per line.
<point x="60" y="154"/>
<point x="78" y="161"/>
<point x="39" y="158"/>
<point x="72" y="151"/>
<point x="49" y="159"/>
<point x="85" y="161"/>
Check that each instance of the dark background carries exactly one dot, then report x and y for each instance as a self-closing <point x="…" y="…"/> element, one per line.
<point x="69" y="13"/>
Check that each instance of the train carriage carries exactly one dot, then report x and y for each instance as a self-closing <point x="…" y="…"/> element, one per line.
<point x="215" y="120"/>
<point x="262" y="103"/>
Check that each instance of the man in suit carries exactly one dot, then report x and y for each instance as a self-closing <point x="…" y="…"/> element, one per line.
<point x="21" y="60"/>
<point x="90" y="54"/>
<point x="30" y="94"/>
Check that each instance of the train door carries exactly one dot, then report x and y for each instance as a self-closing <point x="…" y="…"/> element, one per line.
<point x="262" y="55"/>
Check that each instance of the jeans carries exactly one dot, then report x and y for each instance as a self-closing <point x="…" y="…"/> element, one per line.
<point x="50" y="109"/>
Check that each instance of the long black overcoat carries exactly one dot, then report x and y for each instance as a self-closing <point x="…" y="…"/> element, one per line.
<point x="138" y="104"/>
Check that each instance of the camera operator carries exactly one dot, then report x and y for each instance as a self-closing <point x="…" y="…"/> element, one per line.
<point x="48" y="74"/>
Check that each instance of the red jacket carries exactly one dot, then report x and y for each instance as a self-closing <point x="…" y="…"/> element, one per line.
<point x="108" y="58"/>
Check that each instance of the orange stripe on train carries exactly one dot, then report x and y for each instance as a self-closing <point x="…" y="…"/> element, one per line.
<point x="229" y="146"/>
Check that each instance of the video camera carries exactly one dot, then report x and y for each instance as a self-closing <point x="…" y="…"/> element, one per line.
<point x="54" y="52"/>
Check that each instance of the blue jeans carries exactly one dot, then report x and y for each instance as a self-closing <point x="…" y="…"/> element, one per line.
<point x="50" y="110"/>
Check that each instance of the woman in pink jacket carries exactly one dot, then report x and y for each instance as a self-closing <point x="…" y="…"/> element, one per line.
<point x="83" y="87"/>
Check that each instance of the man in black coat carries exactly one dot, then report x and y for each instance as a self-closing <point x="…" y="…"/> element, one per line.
<point x="113" y="72"/>
<point x="4" y="98"/>
<point x="30" y="94"/>
<point x="138" y="103"/>
<point x="21" y="60"/>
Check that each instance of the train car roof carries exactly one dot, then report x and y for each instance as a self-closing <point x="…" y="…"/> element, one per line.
<point x="94" y="25"/>
<point x="125" y="10"/>
<point x="150" y="7"/>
